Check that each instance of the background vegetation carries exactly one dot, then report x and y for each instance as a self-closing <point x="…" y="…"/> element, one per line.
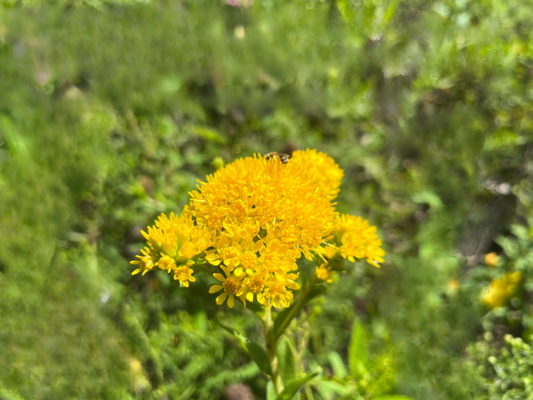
<point x="111" y="110"/>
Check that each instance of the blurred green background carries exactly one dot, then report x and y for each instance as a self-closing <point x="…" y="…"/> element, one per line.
<point x="111" y="110"/>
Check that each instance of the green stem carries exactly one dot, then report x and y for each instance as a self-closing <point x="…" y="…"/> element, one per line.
<point x="271" y="345"/>
<point x="298" y="304"/>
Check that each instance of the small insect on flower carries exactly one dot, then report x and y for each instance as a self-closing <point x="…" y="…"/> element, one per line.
<point x="284" y="158"/>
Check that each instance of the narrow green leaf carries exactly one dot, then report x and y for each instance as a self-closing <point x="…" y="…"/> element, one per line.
<point x="294" y="386"/>
<point x="287" y="315"/>
<point x="330" y="388"/>
<point x="233" y="331"/>
<point x="521" y="232"/>
<point x="337" y="364"/>
<point x="358" y="351"/>
<point x="258" y="353"/>
<point x="209" y="134"/>
<point x="390" y="11"/>
<point x="271" y="391"/>
<point x="287" y="362"/>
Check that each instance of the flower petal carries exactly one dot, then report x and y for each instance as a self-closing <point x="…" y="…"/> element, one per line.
<point x="219" y="277"/>
<point x="221" y="298"/>
<point x="215" y="288"/>
<point x="257" y="246"/>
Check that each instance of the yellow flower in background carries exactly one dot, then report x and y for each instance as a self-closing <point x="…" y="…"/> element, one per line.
<point x="491" y="259"/>
<point x="252" y="220"/>
<point x="453" y="285"/>
<point x="359" y="240"/>
<point x="501" y="290"/>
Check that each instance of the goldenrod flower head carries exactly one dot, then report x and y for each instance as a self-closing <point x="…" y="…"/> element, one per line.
<point x="359" y="240"/>
<point x="501" y="290"/>
<point x="491" y="259"/>
<point x="253" y="219"/>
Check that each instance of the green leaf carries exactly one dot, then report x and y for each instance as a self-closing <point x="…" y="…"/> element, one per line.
<point x="330" y="388"/>
<point x="233" y="331"/>
<point x="8" y="395"/>
<point x="521" y="232"/>
<point x="391" y="397"/>
<point x="287" y="362"/>
<point x="271" y="391"/>
<point x="429" y="197"/>
<point x="258" y="353"/>
<point x="285" y="317"/>
<point x="209" y="134"/>
<point x="337" y="364"/>
<point x="294" y="386"/>
<point x="358" y="352"/>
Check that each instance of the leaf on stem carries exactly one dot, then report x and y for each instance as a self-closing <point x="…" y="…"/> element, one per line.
<point x="294" y="386"/>
<point x="339" y="369"/>
<point x="358" y="351"/>
<point x="287" y="362"/>
<point x="271" y="391"/>
<point x="258" y="353"/>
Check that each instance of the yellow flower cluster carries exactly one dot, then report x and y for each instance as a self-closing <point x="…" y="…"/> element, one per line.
<point x="359" y="240"/>
<point x="501" y="290"/>
<point x="253" y="220"/>
<point x="173" y="243"/>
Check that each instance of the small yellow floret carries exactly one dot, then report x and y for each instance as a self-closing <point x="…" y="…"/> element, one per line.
<point x="166" y="263"/>
<point x="145" y="262"/>
<point x="324" y="273"/>
<point x="183" y="274"/>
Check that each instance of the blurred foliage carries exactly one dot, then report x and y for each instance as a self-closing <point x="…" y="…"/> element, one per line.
<point x="509" y="373"/>
<point x="501" y="356"/>
<point x="111" y="110"/>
